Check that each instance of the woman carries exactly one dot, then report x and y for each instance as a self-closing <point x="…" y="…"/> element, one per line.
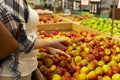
<point x="20" y="66"/>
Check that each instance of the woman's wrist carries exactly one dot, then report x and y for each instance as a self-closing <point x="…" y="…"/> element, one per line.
<point x="42" y="43"/>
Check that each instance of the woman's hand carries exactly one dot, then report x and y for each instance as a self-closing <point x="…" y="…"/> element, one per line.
<point x="56" y="52"/>
<point x="58" y="43"/>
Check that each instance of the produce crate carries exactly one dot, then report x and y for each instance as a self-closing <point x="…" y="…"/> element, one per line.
<point x="48" y="26"/>
<point x="60" y="26"/>
<point x="77" y="27"/>
<point x="72" y="27"/>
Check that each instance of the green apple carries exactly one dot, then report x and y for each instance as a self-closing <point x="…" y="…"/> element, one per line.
<point x="56" y="77"/>
<point x="91" y="66"/>
<point x="40" y="55"/>
<point x="105" y="68"/>
<point x="75" y="53"/>
<point x="70" y="48"/>
<point x="78" y="59"/>
<point x="101" y="63"/>
<point x="118" y="56"/>
<point x="107" y="51"/>
<point x="74" y="45"/>
<point x="112" y="62"/>
<point x="92" y="75"/>
<point x="116" y="76"/>
<point x="78" y="48"/>
<point x="84" y="45"/>
<point x="81" y="76"/>
<point x="53" y="67"/>
<point x="115" y="58"/>
<point x="117" y="49"/>
<point x="119" y="64"/>
<point x="84" y="69"/>
<point x="99" y="70"/>
<point x="87" y="50"/>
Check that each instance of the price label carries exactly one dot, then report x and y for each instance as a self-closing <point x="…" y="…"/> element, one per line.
<point x="96" y="0"/>
<point x="85" y="2"/>
<point x="118" y="4"/>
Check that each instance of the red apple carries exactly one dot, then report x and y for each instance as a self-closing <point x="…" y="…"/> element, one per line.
<point x="89" y="57"/>
<point x="59" y="70"/>
<point x="106" y="58"/>
<point x="98" y="56"/>
<point x="55" y="60"/>
<point x="109" y="73"/>
<point x="71" y="68"/>
<point x="115" y="68"/>
<point x="65" y="77"/>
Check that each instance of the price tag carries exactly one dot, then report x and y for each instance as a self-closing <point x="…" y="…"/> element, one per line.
<point x="95" y="0"/>
<point x="118" y="4"/>
<point x="85" y="2"/>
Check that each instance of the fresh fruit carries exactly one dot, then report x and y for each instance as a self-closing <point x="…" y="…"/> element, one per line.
<point x="92" y="75"/>
<point x="105" y="68"/>
<point x="106" y="78"/>
<point x="81" y="76"/>
<point x="56" y="77"/>
<point x="48" y="62"/>
<point x="45" y="20"/>
<point x="90" y="55"/>
<point x="109" y="73"/>
<point x="99" y="70"/>
<point x="84" y="70"/>
<point x="78" y="59"/>
<point x="116" y="77"/>
<point x="53" y="67"/>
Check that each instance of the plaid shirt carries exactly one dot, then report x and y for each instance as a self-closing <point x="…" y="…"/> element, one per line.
<point x="13" y="13"/>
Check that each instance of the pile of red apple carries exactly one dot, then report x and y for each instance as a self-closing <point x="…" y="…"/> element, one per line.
<point x="48" y="20"/>
<point x="91" y="57"/>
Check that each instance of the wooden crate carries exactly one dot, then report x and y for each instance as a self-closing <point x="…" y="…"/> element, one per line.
<point x="73" y="26"/>
<point x="70" y="27"/>
<point x="61" y="25"/>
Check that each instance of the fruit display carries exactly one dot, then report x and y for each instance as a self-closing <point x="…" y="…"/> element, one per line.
<point x="102" y="24"/>
<point x="77" y="18"/>
<point x="91" y="57"/>
<point x="49" y="20"/>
